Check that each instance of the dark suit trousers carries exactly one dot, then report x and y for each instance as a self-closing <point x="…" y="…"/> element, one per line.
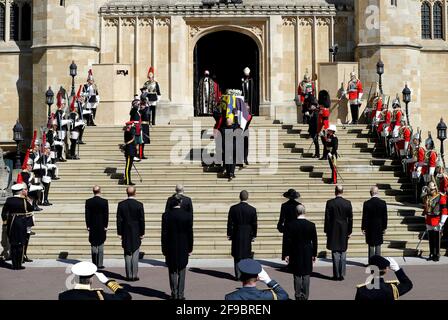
<point x="339" y="263"/>
<point x="152" y="110"/>
<point x="230" y="169"/>
<point x="16" y="256"/>
<point x="177" y="283"/>
<point x="302" y="287"/>
<point x="98" y="255"/>
<point x="374" y="250"/>
<point x="131" y="264"/>
<point x="237" y="271"/>
<point x="5" y="244"/>
<point x="434" y="243"/>
<point x="354" y="108"/>
<point x="246" y="148"/>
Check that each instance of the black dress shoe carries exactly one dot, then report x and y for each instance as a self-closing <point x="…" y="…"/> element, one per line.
<point x="316" y="156"/>
<point x="136" y="279"/>
<point x="37" y="209"/>
<point x="46" y="204"/>
<point x="62" y="160"/>
<point x="102" y="267"/>
<point x="334" y="278"/>
<point x="144" y="158"/>
<point x="322" y="158"/>
<point x="81" y="142"/>
<point x="131" y="184"/>
<point x="246" y="163"/>
<point x="430" y="258"/>
<point x="26" y="259"/>
<point x="341" y="278"/>
<point x="20" y="268"/>
<point x="435" y="258"/>
<point x="56" y="178"/>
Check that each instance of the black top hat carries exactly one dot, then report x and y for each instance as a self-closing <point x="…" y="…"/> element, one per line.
<point x="291" y="194"/>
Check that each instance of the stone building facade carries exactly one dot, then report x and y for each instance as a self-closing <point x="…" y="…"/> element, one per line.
<point x="290" y="37"/>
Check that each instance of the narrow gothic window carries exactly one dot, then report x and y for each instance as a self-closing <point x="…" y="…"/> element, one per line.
<point x="426" y="20"/>
<point x="26" y="22"/>
<point x="437" y="18"/>
<point x="393" y="3"/>
<point x="14" y="30"/>
<point x="2" y="22"/>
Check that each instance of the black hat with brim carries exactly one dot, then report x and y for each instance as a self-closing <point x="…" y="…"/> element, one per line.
<point x="291" y="194"/>
<point x="379" y="261"/>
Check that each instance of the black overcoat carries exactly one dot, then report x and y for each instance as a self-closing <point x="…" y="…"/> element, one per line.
<point x="242" y="229"/>
<point x="97" y="219"/>
<point x="130" y="224"/>
<point x="288" y="213"/>
<point x="338" y="223"/>
<point x="177" y="237"/>
<point x="302" y="246"/>
<point x="374" y="220"/>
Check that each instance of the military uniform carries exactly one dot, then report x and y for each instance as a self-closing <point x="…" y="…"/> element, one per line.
<point x="252" y="269"/>
<point x="331" y="143"/>
<point x="382" y="290"/>
<point x="17" y="215"/>
<point x="153" y="94"/>
<point x="435" y="212"/>
<point x="129" y="150"/>
<point x="146" y="118"/>
<point x="90" y="92"/>
<point x="85" y="270"/>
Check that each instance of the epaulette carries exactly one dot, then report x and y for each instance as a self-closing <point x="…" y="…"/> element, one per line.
<point x="393" y="281"/>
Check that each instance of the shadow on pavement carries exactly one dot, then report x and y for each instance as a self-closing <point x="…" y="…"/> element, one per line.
<point x="5" y="265"/>
<point x="349" y="263"/>
<point x="113" y="275"/>
<point x="153" y="262"/>
<point x="213" y="273"/>
<point x="147" y="292"/>
<point x="319" y="275"/>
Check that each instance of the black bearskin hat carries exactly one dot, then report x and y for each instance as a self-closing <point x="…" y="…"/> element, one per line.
<point x="324" y="99"/>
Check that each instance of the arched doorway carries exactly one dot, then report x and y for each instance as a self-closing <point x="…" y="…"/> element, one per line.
<point x="225" y="54"/>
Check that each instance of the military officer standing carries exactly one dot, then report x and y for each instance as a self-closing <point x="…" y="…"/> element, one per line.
<point x="378" y="288"/>
<point x="435" y="212"/>
<point x="15" y="214"/>
<point x="145" y="114"/>
<point x="129" y="151"/>
<point x="251" y="272"/>
<point x="83" y="291"/>
<point x="331" y="151"/>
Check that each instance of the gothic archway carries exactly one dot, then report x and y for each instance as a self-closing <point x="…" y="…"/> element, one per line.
<point x="225" y="54"/>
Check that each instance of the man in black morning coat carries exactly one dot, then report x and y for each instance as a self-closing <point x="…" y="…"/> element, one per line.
<point x="288" y="213"/>
<point x="301" y="252"/>
<point x="177" y="245"/>
<point x="242" y="230"/>
<point x="131" y="229"/>
<point x="97" y="220"/>
<point x="338" y="228"/>
<point x="374" y="221"/>
<point x="186" y="202"/>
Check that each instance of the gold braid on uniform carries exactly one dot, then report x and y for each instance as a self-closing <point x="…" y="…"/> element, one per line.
<point x="100" y="295"/>
<point x="395" y="291"/>
<point x="113" y="285"/>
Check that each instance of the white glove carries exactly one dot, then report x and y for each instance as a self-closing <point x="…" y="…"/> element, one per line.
<point x="307" y="113"/>
<point x="393" y="264"/>
<point x="263" y="276"/>
<point x="101" y="277"/>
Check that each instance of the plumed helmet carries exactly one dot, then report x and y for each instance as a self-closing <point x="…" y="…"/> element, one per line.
<point x="90" y="75"/>
<point x="324" y="99"/>
<point x="396" y="103"/>
<point x="429" y="143"/>
<point x="151" y="72"/>
<point x="246" y="71"/>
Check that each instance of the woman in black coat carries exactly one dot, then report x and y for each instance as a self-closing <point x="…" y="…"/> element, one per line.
<point x="288" y="213"/>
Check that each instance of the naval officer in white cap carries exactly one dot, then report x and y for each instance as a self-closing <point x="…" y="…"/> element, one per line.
<point x="15" y="214"/>
<point x="83" y="290"/>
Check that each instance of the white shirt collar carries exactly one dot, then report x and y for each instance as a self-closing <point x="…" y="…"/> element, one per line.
<point x="18" y="196"/>
<point x="375" y="196"/>
<point x="131" y="197"/>
<point x="301" y="217"/>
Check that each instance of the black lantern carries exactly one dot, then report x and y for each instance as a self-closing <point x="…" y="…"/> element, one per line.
<point x="380" y="72"/>
<point x="18" y="137"/>
<point x="73" y="73"/>
<point x="49" y="98"/>
<point x="441" y="130"/>
<point x="407" y="98"/>
<point x="441" y="135"/>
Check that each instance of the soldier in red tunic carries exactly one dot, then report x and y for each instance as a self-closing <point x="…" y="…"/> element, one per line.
<point x="396" y="118"/>
<point x="377" y="106"/>
<point x="354" y="92"/>
<point x="435" y="212"/>
<point x="402" y="141"/>
<point x="441" y="178"/>
<point x="429" y="168"/>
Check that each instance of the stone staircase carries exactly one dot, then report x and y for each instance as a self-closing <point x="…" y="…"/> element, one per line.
<point x="60" y="229"/>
